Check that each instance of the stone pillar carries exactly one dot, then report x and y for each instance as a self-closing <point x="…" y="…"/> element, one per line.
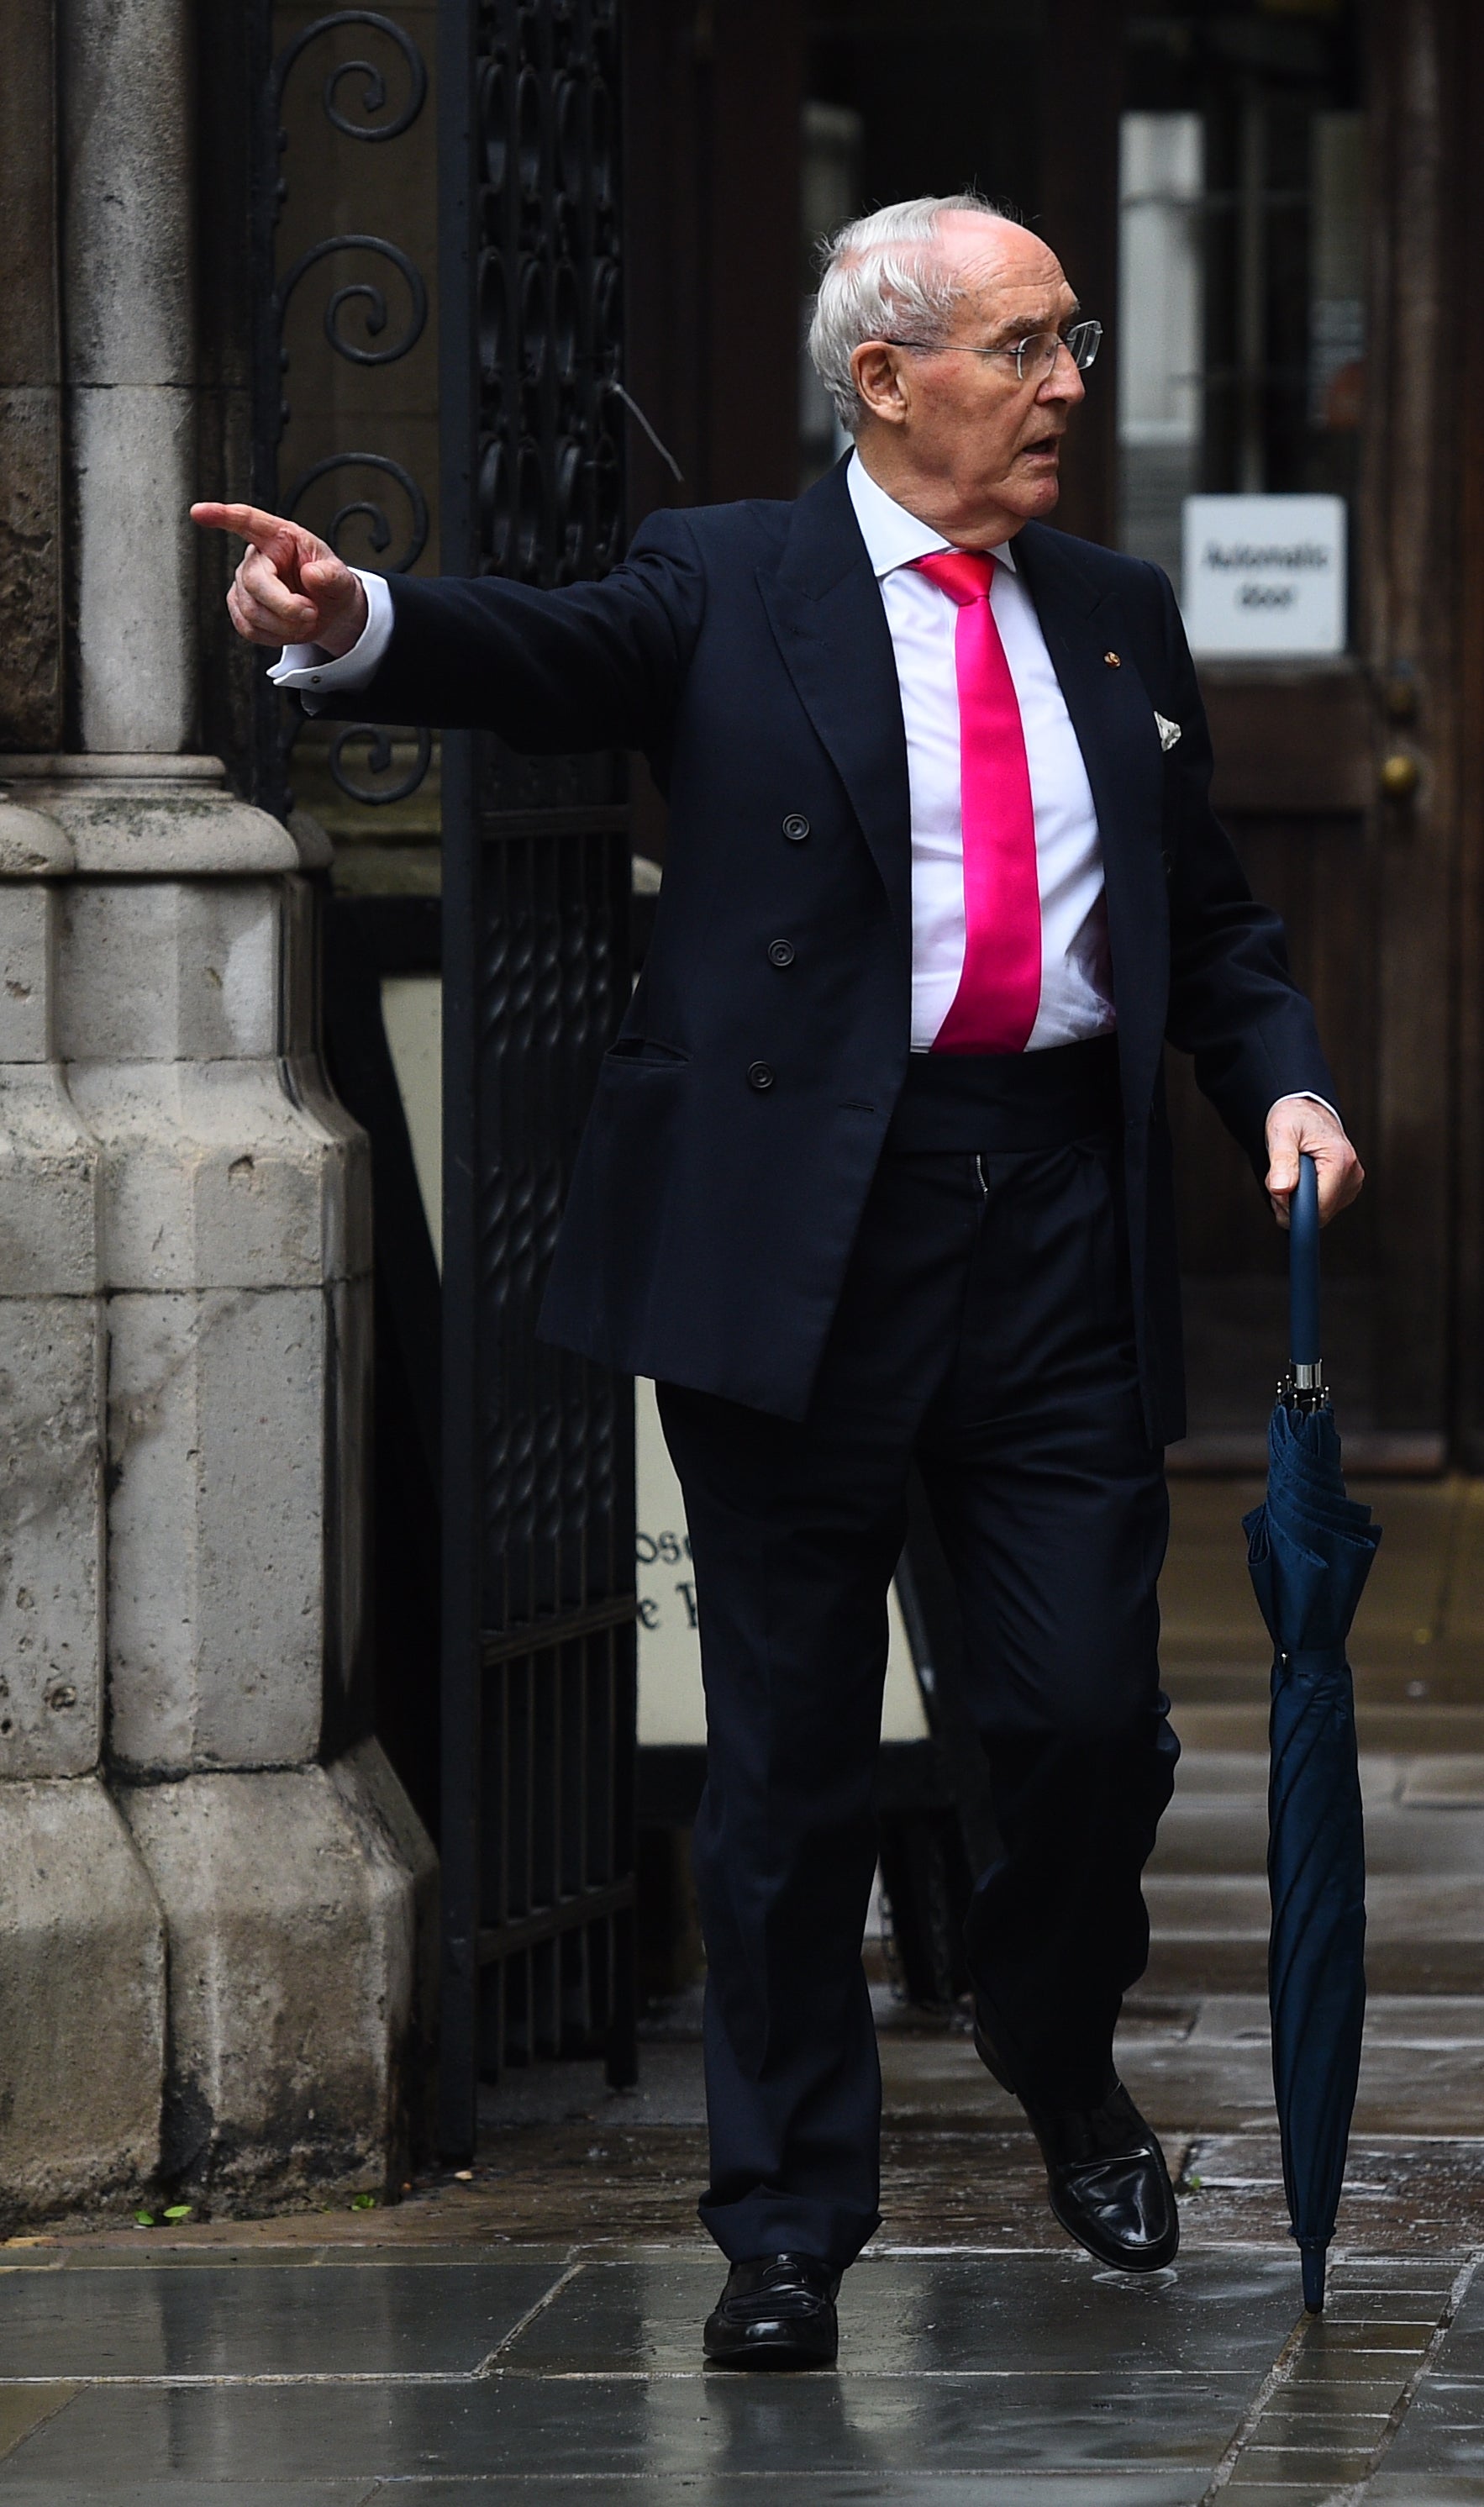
<point x="215" y="1900"/>
<point x="82" y="1938"/>
<point x="31" y="606"/>
<point x="129" y="339"/>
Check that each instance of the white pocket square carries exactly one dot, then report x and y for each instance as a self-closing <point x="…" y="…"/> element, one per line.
<point x="1168" y="733"/>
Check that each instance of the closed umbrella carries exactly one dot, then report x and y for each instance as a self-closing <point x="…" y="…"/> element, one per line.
<point x="1309" y="1550"/>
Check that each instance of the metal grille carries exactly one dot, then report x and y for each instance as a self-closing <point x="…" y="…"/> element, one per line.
<point x="538" y="1621"/>
<point x="538" y="1686"/>
<point x="340" y="98"/>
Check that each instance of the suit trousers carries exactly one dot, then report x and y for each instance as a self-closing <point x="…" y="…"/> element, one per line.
<point x="985" y="1333"/>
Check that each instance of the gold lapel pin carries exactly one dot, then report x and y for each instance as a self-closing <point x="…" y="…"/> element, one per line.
<point x="1114" y="661"/>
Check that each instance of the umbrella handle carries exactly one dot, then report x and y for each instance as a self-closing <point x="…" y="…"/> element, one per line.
<point x="1304" y="1283"/>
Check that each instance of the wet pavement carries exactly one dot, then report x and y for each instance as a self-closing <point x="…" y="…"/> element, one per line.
<point x="263" y="2377"/>
<point x="531" y="2330"/>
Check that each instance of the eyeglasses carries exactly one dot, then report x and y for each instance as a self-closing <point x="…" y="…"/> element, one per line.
<point x="1033" y="355"/>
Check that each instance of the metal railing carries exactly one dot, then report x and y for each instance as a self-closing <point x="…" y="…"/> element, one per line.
<point x="540" y="1611"/>
<point x="537" y="1680"/>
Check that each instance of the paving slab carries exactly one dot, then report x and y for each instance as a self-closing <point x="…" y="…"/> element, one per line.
<point x="1423" y="2490"/>
<point x="214" y="2249"/>
<point x="189" y="2489"/>
<point x="848" y="2490"/>
<point x="385" y="2320"/>
<point x="1269" y="2467"/>
<point x="694" y="2425"/>
<point x="1002" y="2316"/>
<point x="24" y="2409"/>
<point x="608" y="2489"/>
<point x="1442" y="2436"/>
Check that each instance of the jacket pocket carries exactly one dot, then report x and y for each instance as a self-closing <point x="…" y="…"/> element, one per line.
<point x="633" y="1052"/>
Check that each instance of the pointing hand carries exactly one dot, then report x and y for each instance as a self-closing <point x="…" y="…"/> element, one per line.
<point x="290" y="588"/>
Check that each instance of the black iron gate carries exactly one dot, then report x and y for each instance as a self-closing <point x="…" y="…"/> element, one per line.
<point x="537" y="1449"/>
<point x="539" y="1612"/>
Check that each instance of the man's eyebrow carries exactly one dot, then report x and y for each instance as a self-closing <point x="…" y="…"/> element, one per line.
<point x="1022" y="327"/>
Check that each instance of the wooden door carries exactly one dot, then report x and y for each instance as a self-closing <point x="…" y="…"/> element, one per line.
<point x="1306" y="161"/>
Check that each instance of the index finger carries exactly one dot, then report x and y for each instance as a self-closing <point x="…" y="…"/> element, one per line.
<point x="249" y="522"/>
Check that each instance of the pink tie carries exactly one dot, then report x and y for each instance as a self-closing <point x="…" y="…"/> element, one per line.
<point x="994" y="1009"/>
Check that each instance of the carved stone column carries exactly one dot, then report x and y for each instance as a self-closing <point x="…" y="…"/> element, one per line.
<point x="211" y="1885"/>
<point x="82" y="1939"/>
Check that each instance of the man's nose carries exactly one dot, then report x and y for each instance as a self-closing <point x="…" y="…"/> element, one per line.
<point x="1064" y="380"/>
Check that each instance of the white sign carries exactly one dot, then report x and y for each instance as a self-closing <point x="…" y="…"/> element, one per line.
<point x="671" y="1704"/>
<point x="1264" y="574"/>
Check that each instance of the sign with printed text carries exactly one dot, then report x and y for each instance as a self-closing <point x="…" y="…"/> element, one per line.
<point x="1264" y="575"/>
<point x="672" y="1701"/>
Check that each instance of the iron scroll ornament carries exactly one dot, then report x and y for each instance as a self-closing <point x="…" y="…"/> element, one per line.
<point x="379" y="533"/>
<point x="364" y="289"/>
<point x="378" y="761"/>
<point x="373" y="98"/>
<point x="374" y="95"/>
<point x="374" y="514"/>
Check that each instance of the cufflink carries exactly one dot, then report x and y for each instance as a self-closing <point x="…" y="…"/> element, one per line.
<point x="1168" y="733"/>
<point x="1114" y="661"/>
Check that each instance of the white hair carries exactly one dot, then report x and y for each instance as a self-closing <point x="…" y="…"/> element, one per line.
<point x="881" y="279"/>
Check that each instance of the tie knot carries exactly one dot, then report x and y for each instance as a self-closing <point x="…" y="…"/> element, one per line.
<point x="965" y="574"/>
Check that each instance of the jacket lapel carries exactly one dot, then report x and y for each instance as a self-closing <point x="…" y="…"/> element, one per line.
<point x="827" y="612"/>
<point x="828" y="616"/>
<point x="1112" y="714"/>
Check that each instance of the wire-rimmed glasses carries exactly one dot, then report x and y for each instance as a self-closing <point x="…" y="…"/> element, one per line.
<point x="1033" y="355"/>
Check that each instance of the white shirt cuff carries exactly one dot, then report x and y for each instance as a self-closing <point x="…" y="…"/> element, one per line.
<point x="311" y="672"/>
<point x="1305" y="1096"/>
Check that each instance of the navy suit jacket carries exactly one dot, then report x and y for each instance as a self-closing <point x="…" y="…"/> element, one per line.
<point x="744" y="649"/>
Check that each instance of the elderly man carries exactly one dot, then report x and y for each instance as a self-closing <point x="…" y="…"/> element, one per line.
<point x="879" y="1174"/>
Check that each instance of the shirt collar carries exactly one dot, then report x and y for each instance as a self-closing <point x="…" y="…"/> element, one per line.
<point x="893" y="537"/>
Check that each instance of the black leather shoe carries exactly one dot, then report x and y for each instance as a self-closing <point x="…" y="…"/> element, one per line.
<point x="1105" y="2171"/>
<point x="776" y="2311"/>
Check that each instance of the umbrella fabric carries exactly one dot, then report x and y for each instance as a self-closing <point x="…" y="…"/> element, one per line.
<point x="1309" y="1550"/>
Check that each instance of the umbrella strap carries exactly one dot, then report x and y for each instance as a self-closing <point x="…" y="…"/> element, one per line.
<point x="1309" y="1662"/>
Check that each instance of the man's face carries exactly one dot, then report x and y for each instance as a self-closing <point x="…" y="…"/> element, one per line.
<point x="967" y="425"/>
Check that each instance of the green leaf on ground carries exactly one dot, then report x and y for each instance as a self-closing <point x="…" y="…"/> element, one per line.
<point x="144" y="2219"/>
<point x="180" y="2211"/>
<point x="363" y="2202"/>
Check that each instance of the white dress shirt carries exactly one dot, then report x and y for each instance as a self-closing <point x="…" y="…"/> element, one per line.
<point x="1076" y="985"/>
<point x="1076" y="974"/>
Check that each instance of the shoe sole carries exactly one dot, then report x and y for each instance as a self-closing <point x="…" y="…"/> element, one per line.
<point x="765" y="2355"/>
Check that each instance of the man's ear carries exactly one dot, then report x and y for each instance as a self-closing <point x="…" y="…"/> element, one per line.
<point x="881" y="381"/>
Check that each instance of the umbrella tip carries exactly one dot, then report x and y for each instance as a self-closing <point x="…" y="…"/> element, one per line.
<point x="1312" y="2259"/>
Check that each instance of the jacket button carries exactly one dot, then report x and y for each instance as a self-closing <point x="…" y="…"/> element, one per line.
<point x="780" y="953"/>
<point x="760" y="1075"/>
<point x="796" y="826"/>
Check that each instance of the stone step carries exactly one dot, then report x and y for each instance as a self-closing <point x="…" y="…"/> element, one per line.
<point x="1410" y="1730"/>
<point x="1452" y="1683"/>
<point x="1209" y="1933"/>
<point x="1210" y="1834"/>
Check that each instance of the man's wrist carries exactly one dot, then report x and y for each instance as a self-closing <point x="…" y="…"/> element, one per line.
<point x="1305" y="1097"/>
<point x="355" y="629"/>
<point x="312" y="674"/>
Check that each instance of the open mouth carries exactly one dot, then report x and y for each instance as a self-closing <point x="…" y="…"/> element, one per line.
<point x="1044" y="447"/>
